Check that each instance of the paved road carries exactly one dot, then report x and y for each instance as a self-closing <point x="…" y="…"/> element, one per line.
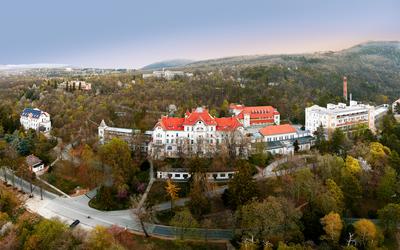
<point x="70" y="209"/>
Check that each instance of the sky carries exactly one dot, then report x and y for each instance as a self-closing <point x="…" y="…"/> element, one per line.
<point x="132" y="34"/>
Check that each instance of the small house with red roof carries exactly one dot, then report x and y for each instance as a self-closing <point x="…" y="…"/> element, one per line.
<point x="256" y="115"/>
<point x="198" y="132"/>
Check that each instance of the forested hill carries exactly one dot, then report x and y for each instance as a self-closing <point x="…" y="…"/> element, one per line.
<point x="373" y="70"/>
<point x="370" y="54"/>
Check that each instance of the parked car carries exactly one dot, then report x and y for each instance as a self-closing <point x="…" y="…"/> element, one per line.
<point x="74" y="224"/>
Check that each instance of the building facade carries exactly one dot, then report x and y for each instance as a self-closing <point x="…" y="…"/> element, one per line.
<point x="281" y="139"/>
<point x="75" y="85"/>
<point x="132" y="137"/>
<point x="35" y="119"/>
<point x="197" y="133"/>
<point x="346" y="117"/>
<point x="253" y="116"/>
<point x="34" y="163"/>
<point x="184" y="175"/>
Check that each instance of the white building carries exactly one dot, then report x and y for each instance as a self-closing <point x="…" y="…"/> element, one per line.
<point x="394" y="106"/>
<point x="76" y="85"/>
<point x="132" y="137"/>
<point x="184" y="175"/>
<point x="35" y="119"/>
<point x="280" y="139"/>
<point x="167" y="74"/>
<point x="339" y="116"/>
<point x="198" y="133"/>
<point x="35" y="164"/>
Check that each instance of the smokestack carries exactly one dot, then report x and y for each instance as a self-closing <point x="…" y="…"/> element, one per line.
<point x="345" y="88"/>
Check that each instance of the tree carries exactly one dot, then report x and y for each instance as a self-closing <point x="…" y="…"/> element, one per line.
<point x="333" y="226"/>
<point x="329" y="166"/>
<point x="46" y="235"/>
<point x="101" y="239"/>
<point x="241" y="188"/>
<point x="378" y="155"/>
<point x="320" y="141"/>
<point x="296" y="146"/>
<point x="116" y="154"/>
<point x="199" y="203"/>
<point x="366" y="233"/>
<point x="389" y="218"/>
<point x="172" y="191"/>
<point x="387" y="185"/>
<point x="352" y="165"/>
<point x="338" y="142"/>
<point x="184" y="222"/>
<point x="336" y="193"/>
<point x="352" y="190"/>
<point x="272" y="220"/>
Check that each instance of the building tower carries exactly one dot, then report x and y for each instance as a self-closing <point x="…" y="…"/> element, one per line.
<point x="345" y="88"/>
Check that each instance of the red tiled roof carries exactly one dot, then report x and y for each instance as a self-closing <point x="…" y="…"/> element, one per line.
<point x="266" y="112"/>
<point x="171" y="123"/>
<point x="277" y="129"/>
<point x="227" y="123"/>
<point x="199" y="114"/>
<point x="177" y="124"/>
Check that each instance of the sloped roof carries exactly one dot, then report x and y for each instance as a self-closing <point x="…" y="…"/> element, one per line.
<point x="32" y="160"/>
<point x="227" y="123"/>
<point x="197" y="115"/>
<point x="34" y="112"/>
<point x="277" y="129"/>
<point x="257" y="112"/>
<point x="171" y="123"/>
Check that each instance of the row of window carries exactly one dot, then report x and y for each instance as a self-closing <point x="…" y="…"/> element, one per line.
<point x="280" y="138"/>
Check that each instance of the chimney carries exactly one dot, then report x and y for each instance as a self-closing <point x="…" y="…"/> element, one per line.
<point x="345" y="88"/>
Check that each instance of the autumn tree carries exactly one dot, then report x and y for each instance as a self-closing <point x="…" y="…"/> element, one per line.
<point x="333" y="226"/>
<point x="101" y="239"/>
<point x="352" y="165"/>
<point x="116" y="154"/>
<point x="172" y="191"/>
<point x="47" y="234"/>
<point x="366" y="233"/>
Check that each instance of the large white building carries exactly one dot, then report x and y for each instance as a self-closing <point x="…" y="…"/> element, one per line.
<point x="35" y="119"/>
<point x="343" y="116"/>
<point x="197" y="133"/>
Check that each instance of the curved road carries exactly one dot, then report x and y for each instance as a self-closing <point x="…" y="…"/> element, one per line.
<point x="70" y="209"/>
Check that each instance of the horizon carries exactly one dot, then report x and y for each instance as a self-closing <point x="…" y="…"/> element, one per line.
<point x="61" y="65"/>
<point x="98" y="34"/>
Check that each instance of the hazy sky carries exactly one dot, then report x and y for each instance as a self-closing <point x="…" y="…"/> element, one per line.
<point x="129" y="33"/>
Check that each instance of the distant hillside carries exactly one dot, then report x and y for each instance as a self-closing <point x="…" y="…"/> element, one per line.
<point x="167" y="64"/>
<point x="362" y="55"/>
<point x="31" y="66"/>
